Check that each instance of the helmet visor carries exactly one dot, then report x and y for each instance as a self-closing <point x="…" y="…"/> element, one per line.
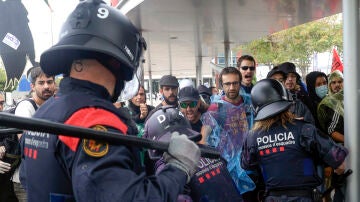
<point x="131" y="87"/>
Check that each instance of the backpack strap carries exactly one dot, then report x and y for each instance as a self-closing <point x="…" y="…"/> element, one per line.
<point x="32" y="101"/>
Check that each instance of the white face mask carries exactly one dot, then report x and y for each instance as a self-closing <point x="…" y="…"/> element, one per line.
<point x="321" y="91"/>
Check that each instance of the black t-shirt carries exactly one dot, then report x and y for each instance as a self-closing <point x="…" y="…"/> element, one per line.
<point x="197" y="126"/>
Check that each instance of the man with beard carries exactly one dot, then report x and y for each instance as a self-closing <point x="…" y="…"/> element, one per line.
<point x="169" y="87"/>
<point x="330" y="110"/>
<point x="296" y="89"/>
<point x="246" y="65"/>
<point x="225" y="126"/>
<point x="42" y="88"/>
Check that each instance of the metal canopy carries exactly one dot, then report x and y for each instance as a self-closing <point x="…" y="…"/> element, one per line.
<point x="184" y="35"/>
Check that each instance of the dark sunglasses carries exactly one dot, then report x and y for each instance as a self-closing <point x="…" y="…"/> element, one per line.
<point x="2" y="102"/>
<point x="185" y="105"/>
<point x="252" y="68"/>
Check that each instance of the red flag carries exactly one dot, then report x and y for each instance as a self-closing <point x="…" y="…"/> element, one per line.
<point x="47" y="3"/>
<point x="114" y="3"/>
<point x="336" y="62"/>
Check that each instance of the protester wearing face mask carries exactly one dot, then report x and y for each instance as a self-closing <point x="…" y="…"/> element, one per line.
<point x="322" y="89"/>
<point x="317" y="85"/>
<point x="331" y="117"/>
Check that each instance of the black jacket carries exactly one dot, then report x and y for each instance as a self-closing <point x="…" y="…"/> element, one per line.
<point x="135" y="112"/>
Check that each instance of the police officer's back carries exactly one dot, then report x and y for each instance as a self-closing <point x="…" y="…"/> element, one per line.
<point x="285" y="148"/>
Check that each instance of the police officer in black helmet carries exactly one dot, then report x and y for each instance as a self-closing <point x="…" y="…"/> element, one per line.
<point x="285" y="148"/>
<point x="212" y="181"/>
<point x="99" y="50"/>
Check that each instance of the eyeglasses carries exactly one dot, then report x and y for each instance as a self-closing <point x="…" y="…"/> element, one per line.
<point x="252" y="68"/>
<point x="228" y="84"/>
<point x="185" y="105"/>
<point x="2" y="102"/>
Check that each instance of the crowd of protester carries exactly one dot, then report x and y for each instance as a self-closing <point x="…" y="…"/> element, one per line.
<point x="225" y="119"/>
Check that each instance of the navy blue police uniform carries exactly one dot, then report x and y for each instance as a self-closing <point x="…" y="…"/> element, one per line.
<point x="12" y="156"/>
<point x="212" y="182"/>
<point x="287" y="159"/>
<point x="60" y="168"/>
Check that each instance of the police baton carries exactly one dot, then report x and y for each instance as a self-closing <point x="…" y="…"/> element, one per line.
<point x="41" y="125"/>
<point x="10" y="131"/>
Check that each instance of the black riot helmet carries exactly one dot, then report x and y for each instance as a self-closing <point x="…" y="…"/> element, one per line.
<point x="95" y="30"/>
<point x="269" y="98"/>
<point x="163" y="122"/>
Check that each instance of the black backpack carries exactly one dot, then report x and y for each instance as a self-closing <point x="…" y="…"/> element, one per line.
<point x="13" y="156"/>
<point x="12" y="109"/>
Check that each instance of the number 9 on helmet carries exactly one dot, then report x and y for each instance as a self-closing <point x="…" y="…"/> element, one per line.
<point x="95" y="30"/>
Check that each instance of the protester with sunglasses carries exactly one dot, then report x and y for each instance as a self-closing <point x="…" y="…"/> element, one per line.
<point x="189" y="103"/>
<point x="225" y="126"/>
<point x="246" y="65"/>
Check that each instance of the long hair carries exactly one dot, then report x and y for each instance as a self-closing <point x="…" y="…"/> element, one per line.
<point x="283" y="118"/>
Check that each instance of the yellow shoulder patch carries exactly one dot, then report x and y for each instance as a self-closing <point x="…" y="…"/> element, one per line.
<point x="96" y="148"/>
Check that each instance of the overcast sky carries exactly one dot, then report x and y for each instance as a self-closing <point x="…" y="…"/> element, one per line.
<point x="44" y="24"/>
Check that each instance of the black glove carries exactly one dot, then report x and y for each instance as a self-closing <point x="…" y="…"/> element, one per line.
<point x="339" y="180"/>
<point x="183" y="154"/>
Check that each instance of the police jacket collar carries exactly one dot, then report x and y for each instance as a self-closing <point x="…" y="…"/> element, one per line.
<point x="69" y="84"/>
